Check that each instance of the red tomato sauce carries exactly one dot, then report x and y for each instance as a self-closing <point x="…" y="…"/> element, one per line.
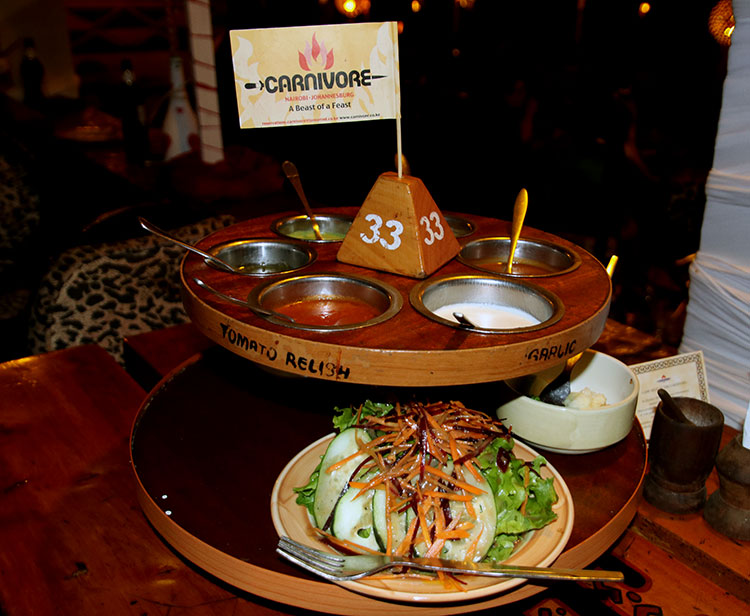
<point x="329" y="311"/>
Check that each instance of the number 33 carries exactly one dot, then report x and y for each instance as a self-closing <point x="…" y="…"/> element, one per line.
<point x="396" y="229"/>
<point x="438" y="234"/>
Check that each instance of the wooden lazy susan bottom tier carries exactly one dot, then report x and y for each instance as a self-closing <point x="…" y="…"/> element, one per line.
<point x="408" y="349"/>
<point x="213" y="436"/>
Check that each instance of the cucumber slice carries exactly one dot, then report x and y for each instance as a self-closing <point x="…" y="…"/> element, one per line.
<point x="332" y="485"/>
<point x="399" y="522"/>
<point x="352" y="518"/>
<point x="484" y="524"/>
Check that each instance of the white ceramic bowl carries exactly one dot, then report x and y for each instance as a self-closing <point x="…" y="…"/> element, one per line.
<point x="568" y="430"/>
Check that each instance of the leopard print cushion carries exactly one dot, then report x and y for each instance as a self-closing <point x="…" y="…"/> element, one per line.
<point x="101" y="294"/>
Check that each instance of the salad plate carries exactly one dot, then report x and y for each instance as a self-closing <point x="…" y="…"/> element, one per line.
<point x="540" y="548"/>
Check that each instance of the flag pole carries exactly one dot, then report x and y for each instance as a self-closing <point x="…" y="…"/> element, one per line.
<point x="399" y="158"/>
<point x="397" y="84"/>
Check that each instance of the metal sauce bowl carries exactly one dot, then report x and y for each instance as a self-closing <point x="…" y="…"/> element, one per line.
<point x="486" y="291"/>
<point x="259" y="257"/>
<point x="333" y="227"/>
<point x="460" y="226"/>
<point x="490" y="254"/>
<point x="274" y="295"/>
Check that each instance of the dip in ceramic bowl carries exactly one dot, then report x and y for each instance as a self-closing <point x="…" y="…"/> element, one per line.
<point x="565" y="429"/>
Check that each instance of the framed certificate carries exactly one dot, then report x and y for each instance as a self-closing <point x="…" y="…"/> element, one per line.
<point x="681" y="375"/>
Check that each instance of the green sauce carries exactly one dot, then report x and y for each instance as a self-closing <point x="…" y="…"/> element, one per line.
<point x="309" y="234"/>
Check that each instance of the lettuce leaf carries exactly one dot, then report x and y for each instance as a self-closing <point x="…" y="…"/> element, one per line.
<point x="346" y="417"/>
<point x="306" y="493"/>
<point x="510" y="494"/>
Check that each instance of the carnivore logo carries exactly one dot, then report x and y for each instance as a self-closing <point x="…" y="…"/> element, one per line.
<point x="317" y="53"/>
<point x="316" y="62"/>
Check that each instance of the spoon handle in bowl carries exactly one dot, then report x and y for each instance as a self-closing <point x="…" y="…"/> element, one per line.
<point x="164" y="235"/>
<point x="519" y="214"/>
<point x="290" y="170"/>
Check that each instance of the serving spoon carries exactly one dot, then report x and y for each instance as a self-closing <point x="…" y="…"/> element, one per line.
<point x="164" y="235"/>
<point x="290" y="170"/>
<point x="462" y="320"/>
<point x="559" y="388"/>
<point x="519" y="213"/>
<point x="264" y="312"/>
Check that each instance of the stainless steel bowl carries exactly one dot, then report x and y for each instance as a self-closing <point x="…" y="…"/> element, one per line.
<point x="461" y="227"/>
<point x="333" y="227"/>
<point x="533" y="258"/>
<point x="258" y="257"/>
<point x="493" y="302"/>
<point x="323" y="292"/>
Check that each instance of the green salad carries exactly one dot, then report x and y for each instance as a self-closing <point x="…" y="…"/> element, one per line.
<point x="430" y="480"/>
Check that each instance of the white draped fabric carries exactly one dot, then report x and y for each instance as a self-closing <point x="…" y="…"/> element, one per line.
<point x="718" y="313"/>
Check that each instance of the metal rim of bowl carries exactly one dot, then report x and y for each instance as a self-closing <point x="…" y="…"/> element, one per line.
<point x="395" y="301"/>
<point x="309" y="251"/>
<point x="458" y="223"/>
<point x="277" y="224"/>
<point x="575" y="260"/>
<point x="418" y="291"/>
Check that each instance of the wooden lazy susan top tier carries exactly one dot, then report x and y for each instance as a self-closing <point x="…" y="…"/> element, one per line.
<point x="409" y="348"/>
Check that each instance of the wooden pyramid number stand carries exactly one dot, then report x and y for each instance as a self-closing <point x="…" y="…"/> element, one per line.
<point x="399" y="229"/>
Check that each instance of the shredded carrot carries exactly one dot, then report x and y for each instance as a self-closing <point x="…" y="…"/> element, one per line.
<point x="469" y="464"/>
<point x="452" y="534"/>
<point x="453" y="446"/>
<point x="410" y="458"/>
<point x="408" y="539"/>
<point x="472" y="549"/>
<point x="449" y="495"/>
<point x="340" y="463"/>
<point x="434" y="449"/>
<point x="470" y="511"/>
<point x="423" y="523"/>
<point x="461" y="484"/>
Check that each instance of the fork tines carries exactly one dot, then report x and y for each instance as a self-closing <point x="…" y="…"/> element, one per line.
<point x="296" y="547"/>
<point x="309" y="558"/>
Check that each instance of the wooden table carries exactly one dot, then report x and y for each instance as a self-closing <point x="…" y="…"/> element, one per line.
<point x="75" y="541"/>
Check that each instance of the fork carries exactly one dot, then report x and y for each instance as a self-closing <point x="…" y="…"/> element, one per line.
<point x="340" y="568"/>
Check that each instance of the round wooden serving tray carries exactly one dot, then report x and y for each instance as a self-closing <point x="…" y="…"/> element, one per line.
<point x="213" y="436"/>
<point x="408" y="349"/>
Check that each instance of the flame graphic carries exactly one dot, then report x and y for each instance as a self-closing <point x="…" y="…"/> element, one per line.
<point x="316" y="52"/>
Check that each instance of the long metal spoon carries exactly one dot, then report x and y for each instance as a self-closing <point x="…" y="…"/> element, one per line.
<point x="559" y="388"/>
<point x="256" y="309"/>
<point x="290" y="170"/>
<point x="164" y="235"/>
<point x="519" y="213"/>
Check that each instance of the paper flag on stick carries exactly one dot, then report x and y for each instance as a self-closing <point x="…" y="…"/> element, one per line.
<point x="316" y="74"/>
